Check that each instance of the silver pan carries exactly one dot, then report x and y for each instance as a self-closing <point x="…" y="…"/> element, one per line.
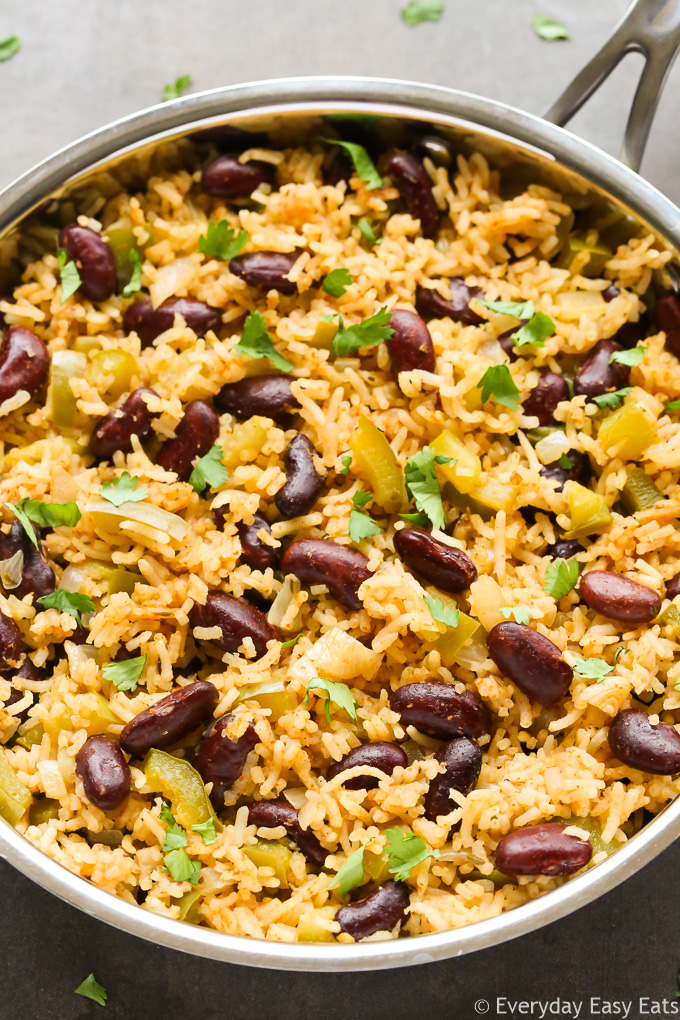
<point x="508" y="137"/>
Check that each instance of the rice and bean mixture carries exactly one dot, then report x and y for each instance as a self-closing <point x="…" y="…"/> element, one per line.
<point x="339" y="551"/>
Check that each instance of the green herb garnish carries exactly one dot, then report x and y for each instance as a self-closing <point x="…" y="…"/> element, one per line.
<point x="441" y="612"/>
<point x="175" y="90"/>
<point x="405" y="850"/>
<point x="125" y="675"/>
<point x="422" y="484"/>
<point x="71" y="602"/>
<point x="593" y="669"/>
<point x="206" y="830"/>
<point x="219" y="241"/>
<point x="209" y="470"/>
<point x="535" y="332"/>
<point x="499" y="384"/>
<point x="291" y="642"/>
<point x="418" y="11"/>
<point x="9" y="47"/>
<point x="368" y="333"/>
<point x="123" y="490"/>
<point x="363" y="164"/>
<point x="350" y="874"/>
<point x="135" y="282"/>
<point x="519" y="309"/>
<point x="256" y="342"/>
<point x="367" y="231"/>
<point x="45" y="515"/>
<point x="629" y="358"/>
<point x="339" y="694"/>
<point x="519" y="613"/>
<point x="361" y="526"/>
<point x="565" y="462"/>
<point x="337" y="282"/>
<point x="611" y="400"/>
<point x="560" y="577"/>
<point x="91" y="989"/>
<point x="68" y="274"/>
<point x="346" y="461"/>
<point x="548" y="29"/>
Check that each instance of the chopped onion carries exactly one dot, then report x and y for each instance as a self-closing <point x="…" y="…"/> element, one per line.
<point x="72" y="579"/>
<point x="574" y="304"/>
<point x="170" y="279"/>
<point x="486" y="598"/>
<point x="492" y="349"/>
<point x="108" y="516"/>
<point x="281" y="604"/>
<point x="297" y="797"/>
<point x="52" y="779"/>
<point x="552" y="447"/>
<point x="341" y="655"/>
<point x="11" y="570"/>
<point x="474" y="652"/>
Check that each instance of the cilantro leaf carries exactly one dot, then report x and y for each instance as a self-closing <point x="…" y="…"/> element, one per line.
<point x="338" y="693"/>
<point x="291" y="642"/>
<point x="363" y="164"/>
<point x="560" y="577"/>
<point x="346" y="462"/>
<point x="175" y="90"/>
<point x="337" y="282"/>
<point x="135" y="282"/>
<point x="361" y="498"/>
<point x="593" y="669"/>
<point x="565" y="463"/>
<point x="631" y="357"/>
<point x="125" y="675"/>
<point x="548" y="29"/>
<point x="421" y="519"/>
<point x="499" y="384"/>
<point x="25" y="521"/>
<point x="362" y="526"/>
<point x="68" y="274"/>
<point x="367" y="231"/>
<point x="206" y="831"/>
<point x="9" y="47"/>
<point x="123" y="490"/>
<point x="618" y="653"/>
<point x="220" y="243"/>
<point x="71" y="602"/>
<point x="256" y="342"/>
<point x="520" y="309"/>
<point x="672" y="405"/>
<point x="405" y="850"/>
<point x="175" y="837"/>
<point x="535" y="332"/>
<point x="91" y="989"/>
<point x="181" y="867"/>
<point x="418" y="11"/>
<point x="362" y="334"/>
<point x="350" y="874"/>
<point x="611" y="400"/>
<point x="209" y="470"/>
<point x="518" y="613"/>
<point x="46" y="515"/>
<point x="441" y="612"/>
<point x="167" y="815"/>
<point x="423" y="486"/>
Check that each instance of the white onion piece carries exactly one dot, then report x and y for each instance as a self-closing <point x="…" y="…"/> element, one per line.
<point x="282" y="602"/>
<point x="109" y="516"/>
<point x="574" y="304"/>
<point x="170" y="279"/>
<point x="342" y="656"/>
<point x="486" y="598"/>
<point x="72" y="579"/>
<point x="11" y="570"/>
<point x="552" y="447"/>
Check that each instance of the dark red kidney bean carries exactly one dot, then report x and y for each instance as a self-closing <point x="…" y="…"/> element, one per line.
<point x="667" y="318"/>
<point x="596" y="375"/>
<point x="226" y="177"/>
<point x="410" y="345"/>
<point x="149" y="322"/>
<point x="542" y="850"/>
<point x="545" y="396"/>
<point x="320" y="561"/>
<point x="303" y="483"/>
<point x="93" y="258"/>
<point x="531" y="661"/>
<point x="636" y="742"/>
<point x="580" y="470"/>
<point x="432" y="305"/>
<point x="24" y="362"/>
<point x="462" y="759"/>
<point x="254" y="553"/>
<point x="266" y="269"/>
<point x="104" y="772"/>
<point x="630" y="334"/>
<point x="267" y="395"/>
<point x="37" y="576"/>
<point x="11" y="643"/>
<point x="194" y="437"/>
<point x="115" y="431"/>
<point x="220" y="760"/>
<point x="449" y="569"/>
<point x="673" y="587"/>
<point x="378" y="755"/>
<point x="611" y="292"/>
<point x="619" y="597"/>
<point x="341" y="169"/>
<point x="236" y="618"/>
<point x="439" y="711"/>
<point x="269" y="814"/>
<point x="170" y="719"/>
<point x="564" y="549"/>
<point x="383" y="910"/>
<point x="415" y="187"/>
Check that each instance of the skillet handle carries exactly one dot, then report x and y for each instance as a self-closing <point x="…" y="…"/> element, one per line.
<point x="650" y="27"/>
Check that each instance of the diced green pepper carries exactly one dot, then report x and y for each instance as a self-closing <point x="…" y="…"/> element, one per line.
<point x="118" y="364"/>
<point x="594" y="831"/>
<point x="542" y="432"/>
<point x="43" y="810"/>
<point x="374" y="460"/>
<point x="310" y="930"/>
<point x="670" y="617"/>
<point x="628" y="431"/>
<point x="181" y="784"/>
<point x="586" y="259"/>
<point x="30" y="734"/>
<point x="244" y="442"/>
<point x="66" y="365"/>
<point x="188" y="906"/>
<point x="324" y="335"/>
<point x="271" y="694"/>
<point x="589" y="512"/>
<point x="464" y="467"/>
<point x="497" y="877"/>
<point x="122" y="241"/>
<point x="376" y="867"/>
<point x="267" y="854"/>
<point x="15" y="799"/>
<point x="639" y="492"/>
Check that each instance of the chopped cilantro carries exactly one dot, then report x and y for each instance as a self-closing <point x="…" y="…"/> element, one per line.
<point x="363" y="164"/>
<point x="135" y="282"/>
<point x="629" y="358"/>
<point x="519" y="613"/>
<point x="350" y="874"/>
<point x="180" y="866"/>
<point x="9" y="47"/>
<point x="362" y="526"/>
<point x="45" y="515"/>
<point x="441" y="612"/>
<point x="418" y="11"/>
<point x="498" y="383"/>
<point x="175" y="90"/>
<point x="421" y="519"/>
<point x="339" y="694"/>
<point x="206" y="831"/>
<point x="125" y="675"/>
<point x="361" y="498"/>
<point x="68" y="274"/>
<point x="611" y="400"/>
<point x="423" y="486"/>
<point x="256" y="342"/>
<point x="175" y="838"/>
<point x="548" y="29"/>
<point x="220" y="243"/>
<point x="406" y="850"/>
<point x="209" y="470"/>
<point x="346" y="461"/>
<point x="671" y="406"/>
<point x="291" y="642"/>
<point x="592" y="669"/>
<point x="560" y="577"/>
<point x="91" y="989"/>
<point x="337" y="282"/>
<point x="123" y="490"/>
<point x="535" y="332"/>
<point x="71" y="602"/>
<point x="367" y="231"/>
<point x="565" y="462"/>
<point x="618" y="653"/>
<point x="362" y="334"/>
<point x="520" y="309"/>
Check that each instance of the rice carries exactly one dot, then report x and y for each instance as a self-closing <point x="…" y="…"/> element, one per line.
<point x="539" y="764"/>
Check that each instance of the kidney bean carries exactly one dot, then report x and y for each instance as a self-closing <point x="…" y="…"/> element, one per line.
<point x="667" y="318"/>
<point x="462" y="759"/>
<point x="254" y="553"/>
<point x="37" y="576"/>
<point x="104" y="772"/>
<point x="564" y="549"/>
<point x="545" y="396"/>
<point x="236" y="618"/>
<point x="303" y="482"/>
<point x="673" y="587"/>
<point x="169" y="719"/>
<point x="611" y="292"/>
<point x="320" y="561"/>
<point x="432" y="305"/>
<point x="220" y="760"/>
<point x="542" y="849"/>
<point x="267" y="395"/>
<point x="439" y="711"/>
<point x="507" y="343"/>
<point x="115" y="431"/>
<point x="378" y="755"/>
<point x="269" y="814"/>
<point x="226" y="177"/>
<point x="630" y="334"/>
<point x="341" y="169"/>
<point x="636" y="742"/>
<point x="531" y="661"/>
<point x="410" y="345"/>
<point x="148" y="322"/>
<point x="415" y="187"/>
<point x="449" y="569"/>
<point x="93" y="258"/>
<point x="596" y="375"/>
<point x="266" y="269"/>
<point x="383" y="910"/>
<point x="11" y="643"/>
<point x="619" y="597"/>
<point x="194" y="437"/>
<point x="579" y="471"/>
<point x="24" y="362"/>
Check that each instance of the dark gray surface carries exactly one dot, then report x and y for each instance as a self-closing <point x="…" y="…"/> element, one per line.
<point x="85" y="63"/>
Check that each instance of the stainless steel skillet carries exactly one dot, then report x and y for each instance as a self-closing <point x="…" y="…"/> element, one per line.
<point x="509" y="138"/>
